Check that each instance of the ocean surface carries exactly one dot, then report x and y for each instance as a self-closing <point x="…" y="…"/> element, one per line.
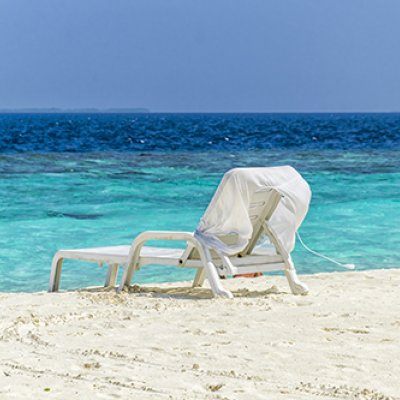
<point x="71" y="181"/>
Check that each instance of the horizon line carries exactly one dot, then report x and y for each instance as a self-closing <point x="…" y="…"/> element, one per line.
<point x="143" y="110"/>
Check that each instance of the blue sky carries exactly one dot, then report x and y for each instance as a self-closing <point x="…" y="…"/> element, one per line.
<point x="201" y="56"/>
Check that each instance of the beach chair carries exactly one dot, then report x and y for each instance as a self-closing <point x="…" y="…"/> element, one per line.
<point x="249" y="226"/>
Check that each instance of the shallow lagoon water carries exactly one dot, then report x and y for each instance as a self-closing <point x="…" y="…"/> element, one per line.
<point x="71" y="199"/>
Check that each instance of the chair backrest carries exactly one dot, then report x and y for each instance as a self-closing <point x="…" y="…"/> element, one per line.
<point x="245" y="199"/>
<point x="261" y="207"/>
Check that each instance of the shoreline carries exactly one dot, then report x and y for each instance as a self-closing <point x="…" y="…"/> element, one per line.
<point x="338" y="342"/>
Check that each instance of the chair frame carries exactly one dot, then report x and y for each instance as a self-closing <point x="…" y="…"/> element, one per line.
<point x="210" y="266"/>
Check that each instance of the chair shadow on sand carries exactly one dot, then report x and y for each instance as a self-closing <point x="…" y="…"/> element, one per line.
<point x="186" y="292"/>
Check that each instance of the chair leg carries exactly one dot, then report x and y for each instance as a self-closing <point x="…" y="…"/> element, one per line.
<point x="296" y="286"/>
<point x="199" y="278"/>
<point x="213" y="277"/>
<point x="111" y="275"/>
<point x="126" y="278"/>
<point x="55" y="275"/>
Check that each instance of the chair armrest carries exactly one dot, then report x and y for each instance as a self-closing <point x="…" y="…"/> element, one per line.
<point x="143" y="237"/>
<point x="137" y="244"/>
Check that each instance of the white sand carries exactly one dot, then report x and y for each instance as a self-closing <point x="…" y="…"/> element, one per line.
<point x="342" y="341"/>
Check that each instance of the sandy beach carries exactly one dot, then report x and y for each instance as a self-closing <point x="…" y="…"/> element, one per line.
<point x="339" y="342"/>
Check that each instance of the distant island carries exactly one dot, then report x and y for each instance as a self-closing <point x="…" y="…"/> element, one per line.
<point x="55" y="110"/>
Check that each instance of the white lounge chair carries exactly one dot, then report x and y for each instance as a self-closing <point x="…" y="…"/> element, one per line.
<point x="248" y="227"/>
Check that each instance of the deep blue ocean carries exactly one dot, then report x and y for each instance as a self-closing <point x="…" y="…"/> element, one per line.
<point x="84" y="180"/>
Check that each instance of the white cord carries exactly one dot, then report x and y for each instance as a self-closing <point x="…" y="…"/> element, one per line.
<point x="348" y="266"/>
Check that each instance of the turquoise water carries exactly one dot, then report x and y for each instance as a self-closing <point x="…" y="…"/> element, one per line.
<point x="58" y="200"/>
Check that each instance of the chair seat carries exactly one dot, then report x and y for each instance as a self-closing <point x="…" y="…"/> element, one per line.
<point x="119" y="254"/>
